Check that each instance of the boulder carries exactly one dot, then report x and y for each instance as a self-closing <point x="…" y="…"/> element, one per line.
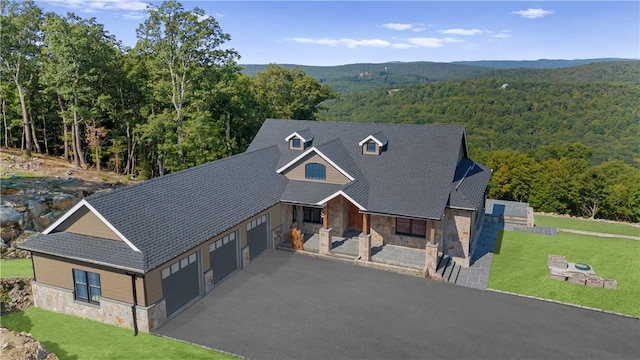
<point x="23" y="346"/>
<point x="36" y="208"/>
<point x="62" y="202"/>
<point x="10" y="216"/>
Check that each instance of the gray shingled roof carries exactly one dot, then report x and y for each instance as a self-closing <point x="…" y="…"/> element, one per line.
<point x="469" y="182"/>
<point x="412" y="178"/>
<point x="166" y="216"/>
<point x="115" y="253"/>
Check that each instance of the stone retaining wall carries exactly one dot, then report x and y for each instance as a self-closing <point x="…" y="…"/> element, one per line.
<point x="109" y="311"/>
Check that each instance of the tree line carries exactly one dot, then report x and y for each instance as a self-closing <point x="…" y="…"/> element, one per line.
<point x="176" y="99"/>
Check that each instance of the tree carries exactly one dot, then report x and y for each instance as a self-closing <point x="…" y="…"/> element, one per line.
<point x="78" y="55"/>
<point x="182" y="45"/>
<point x="290" y="93"/>
<point x="20" y="38"/>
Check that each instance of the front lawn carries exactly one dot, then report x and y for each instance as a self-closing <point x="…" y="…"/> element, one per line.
<point x="20" y="268"/>
<point x="71" y="337"/>
<point x="587" y="225"/>
<point x="520" y="266"/>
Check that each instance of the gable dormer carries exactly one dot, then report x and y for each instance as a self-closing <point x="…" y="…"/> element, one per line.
<point x="300" y="140"/>
<point x="374" y="144"/>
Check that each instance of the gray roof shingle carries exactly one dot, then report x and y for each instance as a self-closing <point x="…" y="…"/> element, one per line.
<point x="469" y="183"/>
<point x="115" y="253"/>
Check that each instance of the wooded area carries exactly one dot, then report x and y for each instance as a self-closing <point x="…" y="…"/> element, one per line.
<point x="175" y="100"/>
<point x="565" y="140"/>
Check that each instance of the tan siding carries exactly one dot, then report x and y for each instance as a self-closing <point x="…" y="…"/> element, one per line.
<point x="153" y="282"/>
<point x="116" y="286"/>
<point x="296" y="172"/>
<point x="85" y="222"/>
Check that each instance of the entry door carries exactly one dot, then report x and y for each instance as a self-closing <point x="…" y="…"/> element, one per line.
<point x="355" y="218"/>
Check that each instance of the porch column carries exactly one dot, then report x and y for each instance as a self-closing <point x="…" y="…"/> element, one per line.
<point x="365" y="224"/>
<point x="431" y="259"/>
<point x="432" y="232"/>
<point x="325" y="232"/>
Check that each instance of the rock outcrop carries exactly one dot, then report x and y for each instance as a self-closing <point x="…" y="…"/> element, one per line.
<point x="21" y="346"/>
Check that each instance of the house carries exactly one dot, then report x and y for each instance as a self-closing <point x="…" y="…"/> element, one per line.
<point x="139" y="254"/>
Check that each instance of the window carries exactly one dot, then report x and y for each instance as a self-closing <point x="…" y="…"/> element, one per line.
<point x="87" y="286"/>
<point x="370" y="147"/>
<point x="295" y="143"/>
<point x="411" y="227"/>
<point x="313" y="215"/>
<point x="315" y="171"/>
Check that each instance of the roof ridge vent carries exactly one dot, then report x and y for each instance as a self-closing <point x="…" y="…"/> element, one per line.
<point x="473" y="165"/>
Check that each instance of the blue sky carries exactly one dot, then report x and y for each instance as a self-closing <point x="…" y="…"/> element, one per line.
<point x="340" y="32"/>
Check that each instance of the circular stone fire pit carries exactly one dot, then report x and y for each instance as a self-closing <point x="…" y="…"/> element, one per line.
<point x="584" y="267"/>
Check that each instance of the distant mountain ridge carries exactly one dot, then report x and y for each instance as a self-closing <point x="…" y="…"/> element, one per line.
<point x="367" y="76"/>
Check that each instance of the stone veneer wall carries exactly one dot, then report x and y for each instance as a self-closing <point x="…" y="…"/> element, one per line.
<point x="109" y="311"/>
<point x="339" y="216"/>
<point x="383" y="232"/>
<point x="457" y="237"/>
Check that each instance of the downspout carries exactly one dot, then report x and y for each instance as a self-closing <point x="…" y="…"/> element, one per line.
<point x="134" y="304"/>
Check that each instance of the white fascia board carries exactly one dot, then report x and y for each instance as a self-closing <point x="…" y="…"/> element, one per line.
<point x="82" y="203"/>
<point x="295" y="134"/>
<point x="340" y="192"/>
<point x="326" y="158"/>
<point x="370" y="137"/>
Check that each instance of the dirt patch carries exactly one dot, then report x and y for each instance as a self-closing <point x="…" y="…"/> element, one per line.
<point x="15" y="295"/>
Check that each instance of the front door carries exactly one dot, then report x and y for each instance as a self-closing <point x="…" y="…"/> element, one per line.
<point x="355" y="218"/>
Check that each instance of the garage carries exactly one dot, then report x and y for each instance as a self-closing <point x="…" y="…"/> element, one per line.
<point x="224" y="254"/>
<point x="258" y="235"/>
<point x="181" y="282"/>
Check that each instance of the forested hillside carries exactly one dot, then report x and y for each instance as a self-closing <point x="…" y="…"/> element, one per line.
<point x="517" y="115"/>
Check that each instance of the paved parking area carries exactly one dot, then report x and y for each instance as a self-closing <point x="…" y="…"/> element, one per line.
<point x="289" y="306"/>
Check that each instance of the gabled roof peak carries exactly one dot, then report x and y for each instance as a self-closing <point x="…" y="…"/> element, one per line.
<point x="306" y="135"/>
<point x="378" y="137"/>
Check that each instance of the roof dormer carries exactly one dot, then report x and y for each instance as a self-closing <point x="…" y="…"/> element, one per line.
<point x="300" y="140"/>
<point x="374" y="144"/>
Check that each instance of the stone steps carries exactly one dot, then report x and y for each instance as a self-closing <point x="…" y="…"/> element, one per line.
<point x="448" y="269"/>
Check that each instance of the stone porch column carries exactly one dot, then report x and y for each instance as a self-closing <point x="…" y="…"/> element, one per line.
<point x="431" y="258"/>
<point x="364" y="249"/>
<point x="325" y="241"/>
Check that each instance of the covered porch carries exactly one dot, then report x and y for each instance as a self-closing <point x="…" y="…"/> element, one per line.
<point x="344" y="230"/>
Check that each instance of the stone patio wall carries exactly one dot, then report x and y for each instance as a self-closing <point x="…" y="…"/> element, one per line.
<point x="108" y="311"/>
<point x="383" y="232"/>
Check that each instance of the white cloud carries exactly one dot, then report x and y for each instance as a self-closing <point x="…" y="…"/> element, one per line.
<point x="350" y="43"/>
<point x="92" y="5"/>
<point x="133" y="15"/>
<point x="404" y="27"/>
<point x="533" y="13"/>
<point x="459" y="31"/>
<point x="452" y="40"/>
<point x="426" y="42"/>
<point x="397" y="27"/>
<point x="403" y="46"/>
<point x="501" y="35"/>
<point x="203" y="17"/>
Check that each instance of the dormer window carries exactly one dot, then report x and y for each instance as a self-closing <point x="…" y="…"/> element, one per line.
<point x="300" y="140"/>
<point x="370" y="147"/>
<point x="374" y="144"/>
<point x="315" y="171"/>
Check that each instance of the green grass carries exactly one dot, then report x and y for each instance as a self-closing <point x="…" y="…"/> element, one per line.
<point x="20" y="268"/>
<point x="71" y="337"/>
<point x="587" y="225"/>
<point x="520" y="266"/>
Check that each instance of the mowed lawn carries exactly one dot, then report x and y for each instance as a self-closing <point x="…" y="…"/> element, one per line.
<point x="71" y="337"/>
<point x="20" y="268"/>
<point x="587" y="225"/>
<point x="520" y="266"/>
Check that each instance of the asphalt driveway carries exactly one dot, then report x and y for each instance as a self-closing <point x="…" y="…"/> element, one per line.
<point x="289" y="306"/>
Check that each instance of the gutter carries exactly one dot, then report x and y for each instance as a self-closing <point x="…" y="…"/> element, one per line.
<point x="134" y="304"/>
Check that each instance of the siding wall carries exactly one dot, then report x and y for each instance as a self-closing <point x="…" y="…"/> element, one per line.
<point x="296" y="172"/>
<point x="115" y="285"/>
<point x="85" y="222"/>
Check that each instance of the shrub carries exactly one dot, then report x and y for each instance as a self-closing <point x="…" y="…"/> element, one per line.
<point x="296" y="238"/>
